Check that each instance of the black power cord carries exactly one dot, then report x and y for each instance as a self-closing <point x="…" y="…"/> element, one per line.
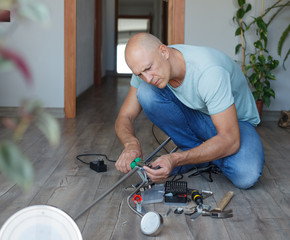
<point x="93" y="154"/>
<point x="210" y="169"/>
<point x="99" y="165"/>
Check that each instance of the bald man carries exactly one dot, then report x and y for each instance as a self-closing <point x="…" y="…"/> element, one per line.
<point x="200" y="98"/>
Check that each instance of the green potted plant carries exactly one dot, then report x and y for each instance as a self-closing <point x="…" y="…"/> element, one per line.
<point x="259" y="64"/>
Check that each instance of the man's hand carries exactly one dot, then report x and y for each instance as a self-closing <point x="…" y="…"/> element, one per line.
<point x="125" y="131"/>
<point x="161" y="168"/>
<point x="129" y="154"/>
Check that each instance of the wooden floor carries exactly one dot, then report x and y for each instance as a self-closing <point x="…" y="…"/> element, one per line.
<point x="262" y="212"/>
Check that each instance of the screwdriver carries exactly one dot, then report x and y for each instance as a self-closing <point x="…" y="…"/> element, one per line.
<point x="196" y="197"/>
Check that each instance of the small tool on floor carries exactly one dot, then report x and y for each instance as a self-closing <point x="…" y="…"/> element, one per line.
<point x="205" y="194"/>
<point x="197" y="198"/>
<point x="219" y="212"/>
<point x="137" y="199"/>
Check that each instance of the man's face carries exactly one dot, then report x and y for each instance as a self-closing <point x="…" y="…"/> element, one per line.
<point x="151" y="67"/>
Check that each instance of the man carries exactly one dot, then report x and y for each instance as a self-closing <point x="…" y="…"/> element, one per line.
<point x="200" y="98"/>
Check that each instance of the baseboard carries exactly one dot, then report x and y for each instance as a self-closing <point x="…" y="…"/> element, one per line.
<point x="13" y="112"/>
<point x="110" y="73"/>
<point x="271" y="116"/>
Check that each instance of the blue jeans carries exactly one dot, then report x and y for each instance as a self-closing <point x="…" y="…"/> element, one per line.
<point x="188" y="128"/>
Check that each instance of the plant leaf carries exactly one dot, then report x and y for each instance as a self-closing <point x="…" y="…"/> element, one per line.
<point x="258" y="44"/>
<point x="271" y="76"/>
<point x="5" y="4"/>
<point x="238" y="32"/>
<point x="49" y="127"/>
<point x="282" y="39"/>
<point x="261" y="24"/>
<point x="241" y="2"/>
<point x="249" y="7"/>
<point x="18" y="62"/>
<point x="266" y="100"/>
<point x="269" y="92"/>
<point x="263" y="36"/>
<point x="237" y="49"/>
<point x="256" y="95"/>
<point x="253" y="58"/>
<point x="262" y="59"/>
<point x="6" y="65"/>
<point x="253" y="78"/>
<point x="240" y="13"/>
<point x="34" y="11"/>
<point x="15" y="165"/>
<point x="285" y="58"/>
<point x="275" y="64"/>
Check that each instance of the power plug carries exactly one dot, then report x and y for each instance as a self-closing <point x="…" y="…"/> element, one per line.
<point x="98" y="166"/>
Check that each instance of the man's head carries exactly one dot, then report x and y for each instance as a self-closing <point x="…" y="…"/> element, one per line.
<point x="147" y="57"/>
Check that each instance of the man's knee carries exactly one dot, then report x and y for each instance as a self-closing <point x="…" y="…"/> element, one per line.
<point x="246" y="178"/>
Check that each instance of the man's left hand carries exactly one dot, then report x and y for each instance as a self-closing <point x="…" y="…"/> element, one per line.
<point x="160" y="168"/>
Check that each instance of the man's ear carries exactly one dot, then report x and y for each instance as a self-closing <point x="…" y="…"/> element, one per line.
<point x="164" y="51"/>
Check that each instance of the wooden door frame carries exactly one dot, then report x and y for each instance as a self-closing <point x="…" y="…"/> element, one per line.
<point x="175" y="35"/>
<point x="98" y="43"/>
<point x="70" y="34"/>
<point x="176" y="9"/>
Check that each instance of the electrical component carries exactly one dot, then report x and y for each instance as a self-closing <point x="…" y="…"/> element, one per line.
<point x="98" y="166"/>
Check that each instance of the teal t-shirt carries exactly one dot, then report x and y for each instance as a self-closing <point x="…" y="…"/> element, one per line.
<point x="212" y="83"/>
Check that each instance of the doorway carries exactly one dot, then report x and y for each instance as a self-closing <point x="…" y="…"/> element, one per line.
<point x="127" y="27"/>
<point x="174" y="35"/>
<point x="131" y="18"/>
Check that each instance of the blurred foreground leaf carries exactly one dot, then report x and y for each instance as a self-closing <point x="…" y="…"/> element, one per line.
<point x="6" y="65"/>
<point x="34" y="11"/>
<point x="45" y="122"/>
<point x="49" y="127"/>
<point x="5" y="4"/>
<point x="17" y="60"/>
<point x="15" y="165"/>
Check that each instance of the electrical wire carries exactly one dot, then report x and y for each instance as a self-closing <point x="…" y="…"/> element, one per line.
<point x="93" y="154"/>
<point x="178" y="179"/>
<point x="210" y="169"/>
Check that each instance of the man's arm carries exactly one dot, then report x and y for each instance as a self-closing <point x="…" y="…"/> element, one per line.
<point x="125" y="131"/>
<point x="225" y="143"/>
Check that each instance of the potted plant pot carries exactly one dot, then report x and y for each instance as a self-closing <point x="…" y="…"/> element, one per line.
<point x="259" y="104"/>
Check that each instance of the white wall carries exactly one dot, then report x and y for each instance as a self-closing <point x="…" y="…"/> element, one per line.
<point x="209" y="23"/>
<point x="43" y="49"/>
<point x="85" y="45"/>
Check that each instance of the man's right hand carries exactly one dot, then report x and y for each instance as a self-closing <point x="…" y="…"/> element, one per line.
<point x="129" y="111"/>
<point x="129" y="154"/>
